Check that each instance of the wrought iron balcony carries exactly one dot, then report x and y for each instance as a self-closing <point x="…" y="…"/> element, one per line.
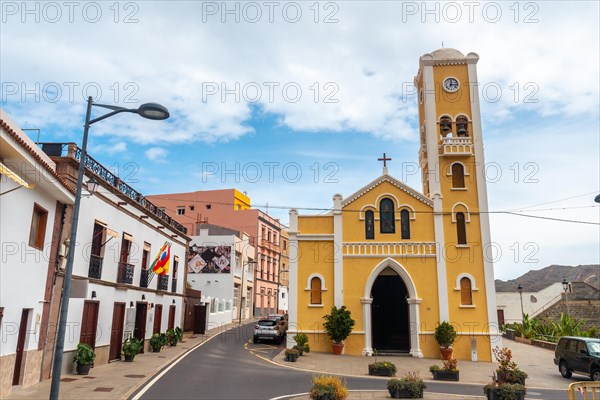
<point x="163" y="282"/>
<point x="125" y="273"/>
<point x="95" y="270"/>
<point x="73" y="151"/>
<point x="174" y="285"/>
<point x="144" y="278"/>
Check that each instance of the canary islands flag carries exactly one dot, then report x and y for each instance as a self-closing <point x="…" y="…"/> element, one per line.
<point x="163" y="260"/>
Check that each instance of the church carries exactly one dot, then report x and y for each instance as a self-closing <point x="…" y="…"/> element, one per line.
<point x="403" y="261"/>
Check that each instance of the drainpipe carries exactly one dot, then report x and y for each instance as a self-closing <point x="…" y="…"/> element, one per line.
<point x="58" y="257"/>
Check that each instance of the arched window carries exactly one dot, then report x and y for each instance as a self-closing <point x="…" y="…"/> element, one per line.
<point x="386" y="216"/>
<point x="445" y="126"/>
<point x="458" y="175"/>
<point x="462" y="126"/>
<point x="315" y="291"/>
<point x="369" y="224"/>
<point x="461" y="228"/>
<point x="405" y="224"/>
<point x="466" y="294"/>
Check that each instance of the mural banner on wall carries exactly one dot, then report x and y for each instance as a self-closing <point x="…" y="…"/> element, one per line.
<point x="211" y="260"/>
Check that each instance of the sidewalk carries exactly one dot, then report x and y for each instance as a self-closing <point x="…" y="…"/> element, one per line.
<point x="535" y="361"/>
<point x="116" y="380"/>
<point x="119" y="380"/>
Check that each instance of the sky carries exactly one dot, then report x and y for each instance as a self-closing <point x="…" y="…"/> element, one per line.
<point x="292" y="102"/>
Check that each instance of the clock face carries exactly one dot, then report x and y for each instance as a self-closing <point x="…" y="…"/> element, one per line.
<point x="451" y="84"/>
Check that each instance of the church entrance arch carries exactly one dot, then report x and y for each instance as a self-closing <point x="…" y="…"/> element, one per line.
<point x="389" y="313"/>
<point x="391" y="310"/>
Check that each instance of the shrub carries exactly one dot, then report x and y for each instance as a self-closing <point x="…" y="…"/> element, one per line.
<point x="179" y="334"/>
<point x="301" y="342"/>
<point x="508" y="371"/>
<point x="325" y="386"/>
<point x="410" y="383"/>
<point x="158" y="340"/>
<point x="451" y="365"/>
<point x="383" y="366"/>
<point x="434" y="368"/>
<point x="445" y="334"/>
<point x="84" y="355"/>
<point x="338" y="324"/>
<point x="292" y="352"/>
<point x="132" y="346"/>
<point x="172" y="337"/>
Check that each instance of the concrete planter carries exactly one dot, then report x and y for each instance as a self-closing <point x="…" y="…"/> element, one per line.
<point x="445" y="375"/>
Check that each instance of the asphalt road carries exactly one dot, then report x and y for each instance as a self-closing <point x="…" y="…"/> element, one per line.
<point x="227" y="367"/>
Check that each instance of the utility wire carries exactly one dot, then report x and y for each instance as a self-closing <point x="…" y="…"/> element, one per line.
<point x="320" y="209"/>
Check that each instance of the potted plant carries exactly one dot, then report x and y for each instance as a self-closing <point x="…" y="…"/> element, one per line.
<point x="172" y="337"/>
<point x="131" y="347"/>
<point x="291" y="355"/>
<point x="508" y="371"/>
<point x="445" y="335"/>
<point x="179" y="334"/>
<point x="508" y="381"/>
<point x="409" y="386"/>
<point x="157" y="342"/>
<point x="338" y="325"/>
<point x="382" y="368"/>
<point x="504" y="391"/>
<point x="84" y="357"/>
<point x="328" y="387"/>
<point x="448" y="372"/>
<point x="301" y="343"/>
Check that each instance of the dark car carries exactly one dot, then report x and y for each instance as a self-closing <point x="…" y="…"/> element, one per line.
<point x="578" y="354"/>
<point x="268" y="329"/>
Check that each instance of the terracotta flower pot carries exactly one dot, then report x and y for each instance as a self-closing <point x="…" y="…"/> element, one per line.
<point x="446" y="353"/>
<point x="337" y="348"/>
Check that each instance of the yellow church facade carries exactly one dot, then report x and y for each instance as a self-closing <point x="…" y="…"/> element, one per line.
<point x="400" y="260"/>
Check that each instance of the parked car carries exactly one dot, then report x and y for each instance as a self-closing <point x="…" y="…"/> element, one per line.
<point x="280" y="320"/>
<point x="268" y="329"/>
<point x="578" y="354"/>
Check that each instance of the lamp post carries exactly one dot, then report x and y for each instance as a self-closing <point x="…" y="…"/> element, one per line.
<point x="565" y="285"/>
<point x="242" y="291"/>
<point x="520" y="290"/>
<point x="152" y="111"/>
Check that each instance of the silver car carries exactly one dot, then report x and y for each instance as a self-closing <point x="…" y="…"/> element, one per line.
<point x="268" y="329"/>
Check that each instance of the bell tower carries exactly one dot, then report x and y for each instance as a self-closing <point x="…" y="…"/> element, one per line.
<point x="452" y="167"/>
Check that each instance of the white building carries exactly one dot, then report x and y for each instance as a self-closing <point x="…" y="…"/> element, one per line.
<point x="509" y="303"/>
<point x="115" y="293"/>
<point x="221" y="266"/>
<point x="33" y="199"/>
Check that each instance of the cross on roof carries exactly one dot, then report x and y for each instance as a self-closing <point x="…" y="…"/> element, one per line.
<point x="384" y="159"/>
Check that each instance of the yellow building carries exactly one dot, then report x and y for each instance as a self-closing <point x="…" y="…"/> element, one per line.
<point x="399" y="260"/>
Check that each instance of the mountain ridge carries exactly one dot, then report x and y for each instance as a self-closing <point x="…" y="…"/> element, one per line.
<point x="535" y="280"/>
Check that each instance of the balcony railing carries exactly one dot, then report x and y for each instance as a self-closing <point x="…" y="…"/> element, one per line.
<point x="414" y="249"/>
<point x="163" y="282"/>
<point x="73" y="151"/>
<point x="125" y="273"/>
<point x="144" y="278"/>
<point x="174" y="285"/>
<point x="457" y="146"/>
<point x="95" y="270"/>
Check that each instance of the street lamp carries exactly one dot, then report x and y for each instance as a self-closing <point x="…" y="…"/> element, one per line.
<point x="565" y="286"/>
<point x="520" y="290"/>
<point x="244" y="265"/>
<point x="152" y="111"/>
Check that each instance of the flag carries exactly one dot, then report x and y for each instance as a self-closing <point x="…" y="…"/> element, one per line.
<point x="163" y="260"/>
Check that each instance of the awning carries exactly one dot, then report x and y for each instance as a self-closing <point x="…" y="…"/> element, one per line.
<point x="4" y="170"/>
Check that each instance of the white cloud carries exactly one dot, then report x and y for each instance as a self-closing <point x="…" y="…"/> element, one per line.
<point x="157" y="154"/>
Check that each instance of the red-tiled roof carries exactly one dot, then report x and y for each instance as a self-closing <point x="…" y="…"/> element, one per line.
<point x="35" y="155"/>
